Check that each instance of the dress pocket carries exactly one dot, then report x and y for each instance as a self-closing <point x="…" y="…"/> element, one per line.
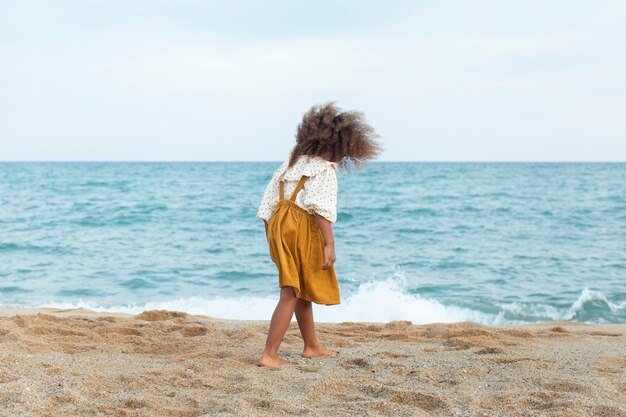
<point x="316" y="256"/>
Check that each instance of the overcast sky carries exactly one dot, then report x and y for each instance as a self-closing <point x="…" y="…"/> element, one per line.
<point x="230" y="80"/>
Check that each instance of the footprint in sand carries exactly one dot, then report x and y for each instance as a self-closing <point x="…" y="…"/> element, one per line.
<point x="358" y="363"/>
<point x="566" y="386"/>
<point x="416" y="399"/>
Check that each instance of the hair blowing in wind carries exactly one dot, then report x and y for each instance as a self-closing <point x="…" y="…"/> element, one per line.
<point x="340" y="136"/>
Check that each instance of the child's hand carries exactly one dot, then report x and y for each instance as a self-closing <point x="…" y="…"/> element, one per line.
<point x="329" y="256"/>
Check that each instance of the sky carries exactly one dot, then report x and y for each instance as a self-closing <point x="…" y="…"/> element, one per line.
<point x="201" y="80"/>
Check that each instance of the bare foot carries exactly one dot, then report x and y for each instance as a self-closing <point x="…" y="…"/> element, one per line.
<point x="314" y="352"/>
<point x="267" y="360"/>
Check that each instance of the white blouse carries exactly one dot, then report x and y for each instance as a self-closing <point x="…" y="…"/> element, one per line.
<point x="318" y="195"/>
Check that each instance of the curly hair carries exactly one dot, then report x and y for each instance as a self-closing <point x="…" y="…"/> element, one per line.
<point x="339" y="136"/>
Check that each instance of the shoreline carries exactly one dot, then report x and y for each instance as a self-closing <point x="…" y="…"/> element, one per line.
<point x="75" y="362"/>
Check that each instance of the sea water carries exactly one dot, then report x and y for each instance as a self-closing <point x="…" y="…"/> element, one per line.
<point x="426" y="242"/>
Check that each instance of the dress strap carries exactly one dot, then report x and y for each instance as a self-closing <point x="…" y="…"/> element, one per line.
<point x="298" y="188"/>
<point x="281" y="191"/>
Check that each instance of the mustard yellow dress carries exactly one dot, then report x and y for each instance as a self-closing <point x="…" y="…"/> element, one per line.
<point x="297" y="248"/>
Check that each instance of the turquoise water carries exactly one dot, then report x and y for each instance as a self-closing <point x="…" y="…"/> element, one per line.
<point x="427" y="242"/>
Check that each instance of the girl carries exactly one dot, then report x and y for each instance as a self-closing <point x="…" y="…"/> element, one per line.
<point x="298" y="207"/>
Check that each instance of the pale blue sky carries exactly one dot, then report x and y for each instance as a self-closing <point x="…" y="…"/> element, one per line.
<point x="206" y="80"/>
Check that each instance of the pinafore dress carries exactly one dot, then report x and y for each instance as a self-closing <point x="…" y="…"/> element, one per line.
<point x="297" y="248"/>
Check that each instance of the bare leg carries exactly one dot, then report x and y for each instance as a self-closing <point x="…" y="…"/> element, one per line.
<point x="278" y="327"/>
<point x="312" y="346"/>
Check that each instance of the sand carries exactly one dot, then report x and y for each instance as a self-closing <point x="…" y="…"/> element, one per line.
<point x="160" y="363"/>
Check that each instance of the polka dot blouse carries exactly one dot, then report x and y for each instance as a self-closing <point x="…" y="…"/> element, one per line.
<point x="319" y="194"/>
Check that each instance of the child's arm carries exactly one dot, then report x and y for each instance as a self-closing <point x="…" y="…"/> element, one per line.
<point x="329" y="241"/>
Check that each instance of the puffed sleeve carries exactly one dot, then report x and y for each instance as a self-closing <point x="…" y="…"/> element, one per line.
<point x="321" y="194"/>
<point x="270" y="198"/>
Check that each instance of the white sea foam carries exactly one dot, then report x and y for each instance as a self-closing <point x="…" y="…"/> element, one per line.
<point x="526" y="312"/>
<point x="377" y="301"/>
<point x="590" y="306"/>
<point x="380" y="301"/>
<point x="588" y="296"/>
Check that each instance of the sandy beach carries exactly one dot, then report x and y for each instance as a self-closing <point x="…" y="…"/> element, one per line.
<point x="161" y="363"/>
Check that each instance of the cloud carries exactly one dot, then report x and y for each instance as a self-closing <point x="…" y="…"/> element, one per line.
<point x="448" y="81"/>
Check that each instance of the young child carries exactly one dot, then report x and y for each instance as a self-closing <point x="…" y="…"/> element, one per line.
<point x="298" y="208"/>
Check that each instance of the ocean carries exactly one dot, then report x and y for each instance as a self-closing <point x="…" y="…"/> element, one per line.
<point x="427" y="242"/>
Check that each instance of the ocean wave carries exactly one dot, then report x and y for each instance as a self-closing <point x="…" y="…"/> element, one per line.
<point x="591" y="306"/>
<point x="380" y="302"/>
